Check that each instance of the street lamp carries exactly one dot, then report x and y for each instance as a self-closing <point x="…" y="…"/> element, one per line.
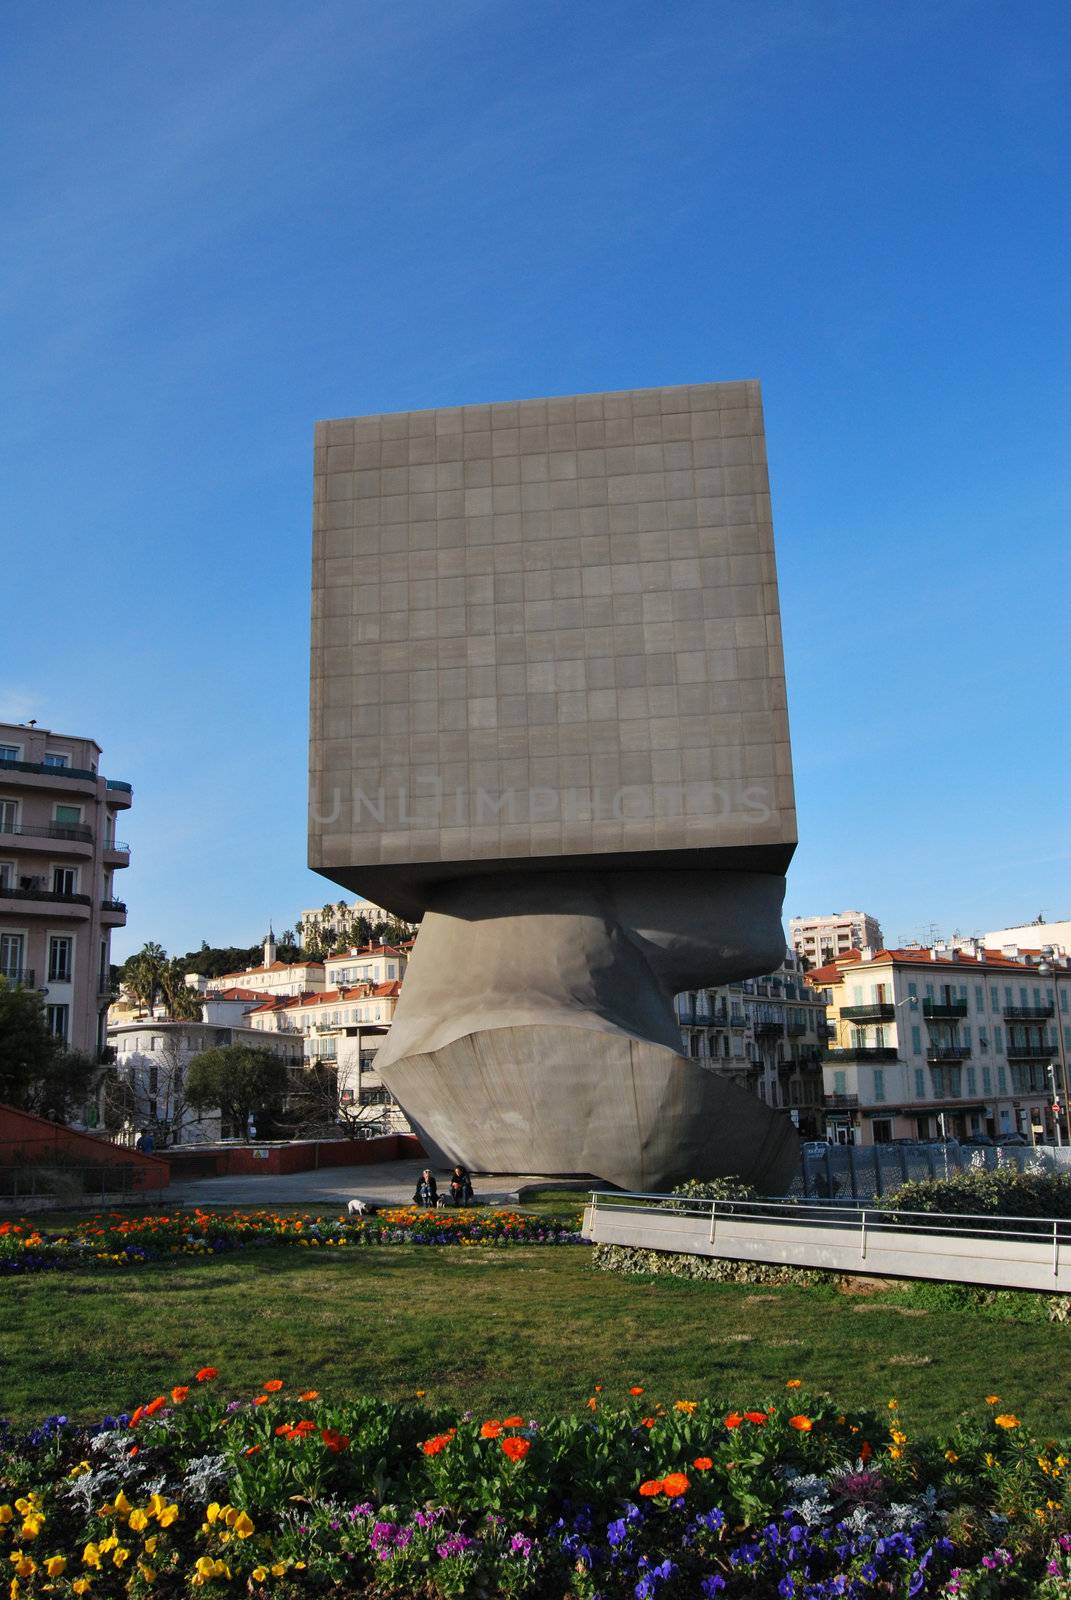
<point x="1048" y="970"/>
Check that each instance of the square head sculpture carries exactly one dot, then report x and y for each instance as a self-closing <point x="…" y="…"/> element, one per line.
<point x="546" y="636"/>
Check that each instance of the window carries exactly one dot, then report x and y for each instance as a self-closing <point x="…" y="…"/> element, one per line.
<point x="64" y="880"/>
<point x="11" y="955"/>
<point x="920" y="1084"/>
<point x="979" y="997"/>
<point x="57" y="758"/>
<point x="840" y="1083"/>
<point x="7" y="874"/>
<point x="879" y="1084"/>
<point x="56" y="1019"/>
<point x="67" y="816"/>
<point x="9" y="815"/>
<point x="1002" y="1081"/>
<point x="60" y="958"/>
<point x="972" y="1080"/>
<point x="882" y="1130"/>
<point x="916" y="1040"/>
<point x="10" y="752"/>
<point x="987" y="1081"/>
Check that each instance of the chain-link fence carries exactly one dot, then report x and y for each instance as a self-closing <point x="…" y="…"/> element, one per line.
<point x="862" y="1172"/>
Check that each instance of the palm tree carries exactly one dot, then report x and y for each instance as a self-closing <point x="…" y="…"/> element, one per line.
<point x="144" y="975"/>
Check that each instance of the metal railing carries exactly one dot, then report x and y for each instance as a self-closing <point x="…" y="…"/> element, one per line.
<point x="118" y="845"/>
<point x="864" y="1052"/>
<point x="9" y="892"/>
<point x="113" y="905"/>
<point x="947" y="1052"/>
<point x="48" y="769"/>
<point x="77" y="832"/>
<point x="1018" y="1252"/>
<point x="1029" y="1013"/>
<point x="1032" y="1052"/>
<point x="116" y="783"/>
<point x="944" y="1010"/>
<point x="879" y="1011"/>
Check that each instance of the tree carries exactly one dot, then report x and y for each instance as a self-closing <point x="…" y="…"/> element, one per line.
<point x="183" y="1003"/>
<point x="143" y="973"/>
<point x="317" y="1105"/>
<point x="238" y="1082"/>
<point x="60" y="1092"/>
<point x="27" y="1048"/>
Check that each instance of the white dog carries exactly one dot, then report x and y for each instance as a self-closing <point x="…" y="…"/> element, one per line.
<point x="357" y="1208"/>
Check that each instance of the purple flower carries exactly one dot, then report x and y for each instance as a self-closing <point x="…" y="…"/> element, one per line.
<point x="521" y="1546"/>
<point x="712" y="1586"/>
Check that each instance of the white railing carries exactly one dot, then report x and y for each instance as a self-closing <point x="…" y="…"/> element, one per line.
<point x="999" y="1252"/>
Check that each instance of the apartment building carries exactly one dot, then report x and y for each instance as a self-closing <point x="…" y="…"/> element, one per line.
<point x="272" y="977"/>
<point x="345" y="1022"/>
<point x="945" y="1041"/>
<point x="768" y="1034"/>
<point x="153" y="1053"/>
<point x="820" y="939"/>
<point x="58" y="857"/>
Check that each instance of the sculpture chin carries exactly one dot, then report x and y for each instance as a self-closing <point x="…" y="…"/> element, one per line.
<point x="536" y="1033"/>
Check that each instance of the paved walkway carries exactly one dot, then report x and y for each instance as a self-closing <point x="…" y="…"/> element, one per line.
<point x="387" y="1183"/>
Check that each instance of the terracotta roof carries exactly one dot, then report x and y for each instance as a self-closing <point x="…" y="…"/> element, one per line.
<point x="367" y="950"/>
<point x="327" y="997"/>
<point x="234" y="994"/>
<point x="276" y="966"/>
<point x="851" y="960"/>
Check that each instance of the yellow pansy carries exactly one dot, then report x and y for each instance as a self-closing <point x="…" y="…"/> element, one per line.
<point x="137" y="1521"/>
<point x="259" y="1574"/>
<point x="6" y="1514"/>
<point x="168" y="1515"/>
<point x="213" y="1512"/>
<point x="91" y="1555"/>
<point x="277" y="1569"/>
<point x="150" y="1544"/>
<point x="121" y="1555"/>
<point x="80" y="1586"/>
<point x="55" y="1566"/>
<point x="243" y="1526"/>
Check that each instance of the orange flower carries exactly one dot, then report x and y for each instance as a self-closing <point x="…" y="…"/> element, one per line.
<point x="335" y="1441"/>
<point x="206" y="1374"/>
<point x="132" y="1452"/>
<point x="702" y="1463"/>
<point x="733" y="1420"/>
<point x="757" y="1417"/>
<point x="154" y="1405"/>
<point x="674" y="1484"/>
<point x="1006" y="1420"/>
<point x="491" y="1428"/>
<point x="637" y="1388"/>
<point x="513" y="1422"/>
<point x="136" y="1417"/>
<point x="866" y="1452"/>
<point x="593" y="1404"/>
<point x="647" y="1422"/>
<point x="652" y="1486"/>
<point x="261" y="1400"/>
<point x="310" y="1394"/>
<point x="179" y="1393"/>
<point x="253" y="1448"/>
<point x="273" y="1385"/>
<point x="516" y="1448"/>
<point x="801" y="1424"/>
<point x="431" y="1447"/>
<point x="793" y="1383"/>
<point x="420" y="1393"/>
<point x="992" y="1399"/>
<point x="598" y="1388"/>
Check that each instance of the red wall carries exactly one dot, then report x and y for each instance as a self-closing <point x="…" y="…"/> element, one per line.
<point x="26" y="1137"/>
<point x="234" y="1161"/>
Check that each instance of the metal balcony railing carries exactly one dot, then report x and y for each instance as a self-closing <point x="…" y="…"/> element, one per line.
<point x="113" y="905"/>
<point x="947" y="1052"/>
<point x="864" y="1052"/>
<point x="944" y="1010"/>
<point x="841" y="1102"/>
<point x="1031" y="1052"/>
<point x="9" y="892"/>
<point x="48" y="769"/>
<point x="77" y="831"/>
<point x="879" y="1011"/>
<point x="1029" y="1013"/>
<point x="116" y="783"/>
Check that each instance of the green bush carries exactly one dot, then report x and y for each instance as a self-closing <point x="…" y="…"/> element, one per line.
<point x="730" y="1188"/>
<point x="632" y="1262"/>
<point x="1002" y="1192"/>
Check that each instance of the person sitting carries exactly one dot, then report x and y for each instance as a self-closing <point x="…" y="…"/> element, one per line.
<point x="427" y="1193"/>
<point x="460" y="1187"/>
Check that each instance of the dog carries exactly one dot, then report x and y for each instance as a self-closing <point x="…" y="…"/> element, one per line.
<point x="361" y="1208"/>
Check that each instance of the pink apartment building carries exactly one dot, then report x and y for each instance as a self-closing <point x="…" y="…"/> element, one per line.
<point x="58" y="858"/>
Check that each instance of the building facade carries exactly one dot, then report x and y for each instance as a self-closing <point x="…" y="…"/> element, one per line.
<point x="1054" y="936"/>
<point x="58" y="857"/>
<point x="768" y="1035"/>
<point x="821" y="939"/>
<point x="949" y="1042"/>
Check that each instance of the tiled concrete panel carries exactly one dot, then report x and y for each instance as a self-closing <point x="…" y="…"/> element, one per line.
<point x="542" y="630"/>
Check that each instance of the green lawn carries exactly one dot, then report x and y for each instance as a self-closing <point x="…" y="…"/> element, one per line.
<point x="522" y="1328"/>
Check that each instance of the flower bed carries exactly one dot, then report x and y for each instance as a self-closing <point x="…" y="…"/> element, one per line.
<point x="286" y="1493"/>
<point x="114" y="1239"/>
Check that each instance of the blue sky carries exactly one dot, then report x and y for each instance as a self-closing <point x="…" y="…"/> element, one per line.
<point x="225" y="220"/>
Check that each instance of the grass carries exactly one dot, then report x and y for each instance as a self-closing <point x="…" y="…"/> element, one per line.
<point x="532" y="1329"/>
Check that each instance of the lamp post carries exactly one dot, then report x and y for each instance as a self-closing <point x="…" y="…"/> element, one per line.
<point x="1048" y="970"/>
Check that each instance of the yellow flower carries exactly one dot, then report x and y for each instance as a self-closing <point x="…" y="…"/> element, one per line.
<point x="990" y="1459"/>
<point x="992" y="1399"/>
<point x="25" y="1567"/>
<point x="204" y="1565"/>
<point x="895" y="1452"/>
<point x="80" y="1586"/>
<point x="91" y="1555"/>
<point x="213" y="1512"/>
<point x="950" y="1455"/>
<point x="243" y="1526"/>
<point x="32" y="1525"/>
<point x="6" y="1514"/>
<point x="277" y="1569"/>
<point x="55" y="1566"/>
<point x="687" y="1406"/>
<point x="148" y="1573"/>
<point x="168" y="1515"/>
<point x="122" y="1504"/>
<point x="894" y="1405"/>
<point x="259" y="1574"/>
<point x="137" y="1521"/>
<point x="121" y="1555"/>
<point x="1006" y="1420"/>
<point x="150" y="1544"/>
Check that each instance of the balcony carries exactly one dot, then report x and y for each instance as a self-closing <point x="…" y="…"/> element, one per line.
<point x="879" y="1011"/>
<point x="1029" y="1013"/>
<point x="944" y="1010"/>
<point x="70" y="833"/>
<point x="840" y="1102"/>
<point x="769" y="1028"/>
<point x="1032" y="1052"/>
<point x="41" y="902"/>
<point x="863" y="1052"/>
<point x="113" y="913"/>
<point x="116" y="853"/>
<point x="119" y="794"/>
<point x="796" y="1030"/>
<point x="19" y="977"/>
<point x="65" y="778"/>
<point x="937" y="1055"/>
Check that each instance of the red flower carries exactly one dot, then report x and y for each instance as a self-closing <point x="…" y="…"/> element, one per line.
<point x="757" y="1417"/>
<point x="652" y="1486"/>
<point x="733" y="1420"/>
<point x="154" y="1405"/>
<point x="253" y="1448"/>
<point x="491" y="1428"/>
<point x="516" y="1448"/>
<point x="702" y="1463"/>
<point x="273" y="1385"/>
<point x="179" y="1393"/>
<point x="334" y="1440"/>
<point x="637" y="1388"/>
<point x="674" y="1484"/>
<point x="206" y="1374"/>
<point x="801" y="1424"/>
<point x="513" y="1422"/>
